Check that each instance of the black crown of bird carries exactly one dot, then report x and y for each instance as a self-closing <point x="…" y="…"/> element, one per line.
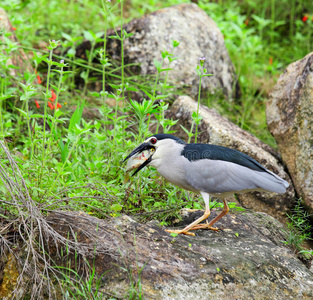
<point x="207" y="169"/>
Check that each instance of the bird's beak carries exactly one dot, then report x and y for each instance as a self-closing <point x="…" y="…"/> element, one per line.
<point x="139" y="158"/>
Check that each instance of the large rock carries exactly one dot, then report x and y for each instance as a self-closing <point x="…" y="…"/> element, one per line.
<point x="290" y="120"/>
<point x="198" y="36"/>
<point x="247" y="260"/>
<point x="215" y="129"/>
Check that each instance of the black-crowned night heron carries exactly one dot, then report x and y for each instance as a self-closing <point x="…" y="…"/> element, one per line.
<point x="208" y="169"/>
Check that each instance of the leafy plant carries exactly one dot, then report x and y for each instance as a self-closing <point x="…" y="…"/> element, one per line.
<point x="299" y="228"/>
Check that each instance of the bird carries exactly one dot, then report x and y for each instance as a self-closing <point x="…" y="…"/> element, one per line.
<point x="210" y="170"/>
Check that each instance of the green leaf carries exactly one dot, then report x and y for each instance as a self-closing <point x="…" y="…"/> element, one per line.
<point x="64" y="150"/>
<point x="116" y="207"/>
<point x="185" y="129"/>
<point x="165" y="54"/>
<point x="13" y="67"/>
<point x="261" y="21"/>
<point x="71" y="52"/>
<point x="66" y="36"/>
<point x="240" y="209"/>
<point x="90" y="36"/>
<point x="194" y="114"/>
<point x="207" y="75"/>
<point x="127" y="35"/>
<point x="157" y="64"/>
<point x="197" y="205"/>
<point x="47" y="60"/>
<point x="94" y="94"/>
<point x="175" y="43"/>
<point x="76" y="117"/>
<point x="168" y="69"/>
<point x="3" y="97"/>
<point x="132" y="89"/>
<point x="147" y="93"/>
<point x="114" y="37"/>
<point x="115" y="86"/>
<point x="38" y="58"/>
<point x="36" y="116"/>
<point x="173" y="58"/>
<point x="24" y="113"/>
<point x="63" y="72"/>
<point x="161" y="97"/>
<point x="198" y="72"/>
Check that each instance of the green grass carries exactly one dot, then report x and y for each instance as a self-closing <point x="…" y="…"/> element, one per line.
<point x="299" y="230"/>
<point x="71" y="163"/>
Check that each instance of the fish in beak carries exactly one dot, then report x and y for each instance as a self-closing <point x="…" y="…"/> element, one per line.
<point x="140" y="157"/>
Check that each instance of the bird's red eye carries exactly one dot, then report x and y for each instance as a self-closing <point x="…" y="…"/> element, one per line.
<point x="153" y="140"/>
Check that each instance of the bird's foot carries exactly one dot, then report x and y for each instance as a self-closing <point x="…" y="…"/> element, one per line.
<point x="204" y="226"/>
<point x="182" y="231"/>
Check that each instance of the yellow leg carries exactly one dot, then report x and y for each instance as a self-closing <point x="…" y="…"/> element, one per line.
<point x="204" y="226"/>
<point x="193" y="224"/>
<point x="209" y="225"/>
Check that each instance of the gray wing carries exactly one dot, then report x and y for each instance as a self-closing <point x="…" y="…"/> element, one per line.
<point x="217" y="177"/>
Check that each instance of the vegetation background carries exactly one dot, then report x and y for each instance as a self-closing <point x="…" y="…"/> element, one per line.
<point x="69" y="163"/>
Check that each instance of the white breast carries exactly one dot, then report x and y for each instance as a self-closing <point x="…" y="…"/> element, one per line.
<point x="171" y="164"/>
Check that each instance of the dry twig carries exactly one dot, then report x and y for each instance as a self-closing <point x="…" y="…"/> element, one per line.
<point x="35" y="234"/>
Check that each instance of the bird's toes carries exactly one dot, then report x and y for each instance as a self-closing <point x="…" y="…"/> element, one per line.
<point x="180" y="232"/>
<point x="204" y="226"/>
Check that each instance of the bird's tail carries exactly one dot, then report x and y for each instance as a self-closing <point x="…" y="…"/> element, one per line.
<point x="272" y="182"/>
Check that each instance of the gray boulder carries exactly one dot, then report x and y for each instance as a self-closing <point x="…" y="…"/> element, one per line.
<point x="246" y="260"/>
<point x="198" y="36"/>
<point x="290" y="119"/>
<point x="215" y="129"/>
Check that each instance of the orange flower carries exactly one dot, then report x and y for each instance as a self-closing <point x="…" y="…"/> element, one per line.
<point x="53" y="96"/>
<point x="270" y="61"/>
<point x="305" y="18"/>
<point x="37" y="104"/>
<point x="39" y="79"/>
<point x="50" y="105"/>
<point x="14" y="28"/>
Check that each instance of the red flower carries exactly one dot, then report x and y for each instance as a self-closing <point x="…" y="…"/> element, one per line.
<point x="37" y="104"/>
<point x="59" y="105"/>
<point x="305" y="18"/>
<point x="246" y="22"/>
<point x="50" y="105"/>
<point x="14" y="28"/>
<point x="39" y="79"/>
<point x="270" y="61"/>
<point x="53" y="96"/>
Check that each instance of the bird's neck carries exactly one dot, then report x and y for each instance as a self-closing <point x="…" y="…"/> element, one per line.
<point x="166" y="154"/>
